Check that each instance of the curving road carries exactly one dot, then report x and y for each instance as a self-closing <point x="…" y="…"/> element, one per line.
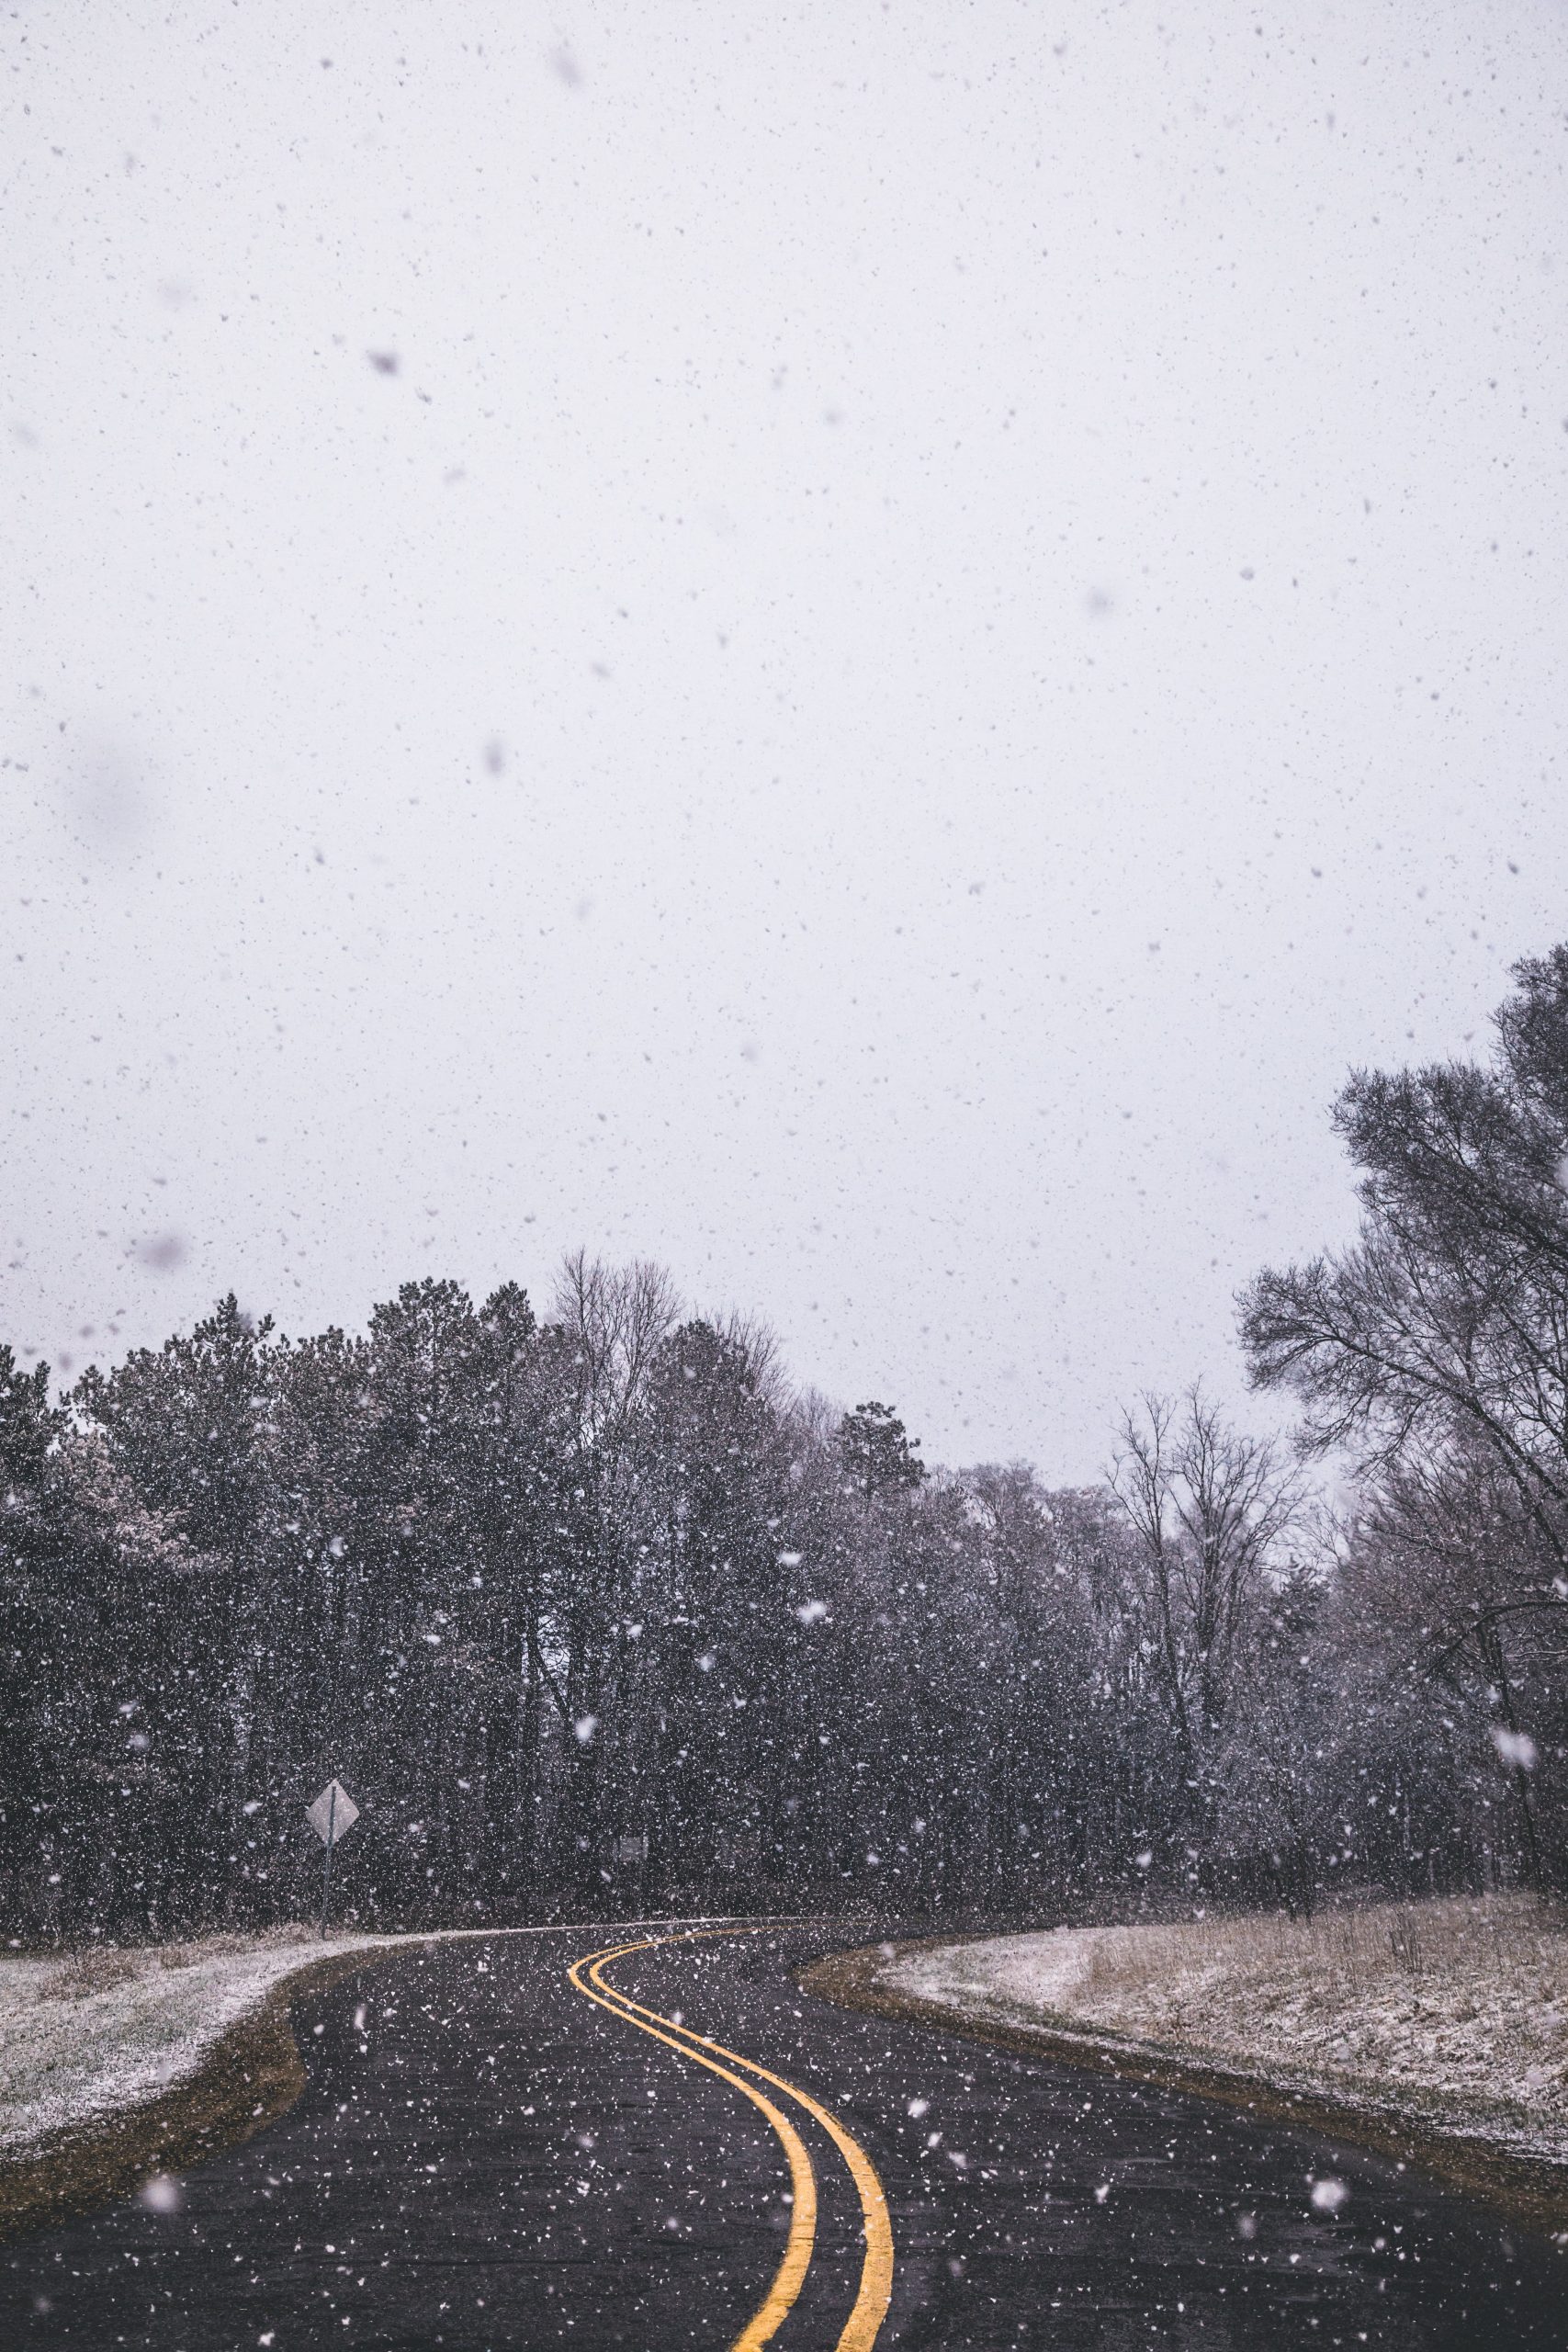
<point x="533" y="2142"/>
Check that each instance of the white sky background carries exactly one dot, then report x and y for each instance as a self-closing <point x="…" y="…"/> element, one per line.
<point x="949" y="612"/>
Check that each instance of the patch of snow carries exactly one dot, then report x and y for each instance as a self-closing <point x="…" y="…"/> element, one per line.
<point x="1450" y="2011"/>
<point x="107" y="2030"/>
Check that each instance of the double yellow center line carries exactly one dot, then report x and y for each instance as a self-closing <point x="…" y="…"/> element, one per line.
<point x="743" y="2075"/>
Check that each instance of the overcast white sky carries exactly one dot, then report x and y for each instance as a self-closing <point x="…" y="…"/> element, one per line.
<point x="946" y="612"/>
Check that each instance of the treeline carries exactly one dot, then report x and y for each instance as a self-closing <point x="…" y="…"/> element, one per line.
<point x="595" y="1613"/>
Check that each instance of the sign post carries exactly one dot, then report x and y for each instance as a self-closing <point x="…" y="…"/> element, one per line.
<point x="332" y="1816"/>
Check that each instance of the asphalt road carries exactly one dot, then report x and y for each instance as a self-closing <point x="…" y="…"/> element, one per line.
<point x="495" y="2152"/>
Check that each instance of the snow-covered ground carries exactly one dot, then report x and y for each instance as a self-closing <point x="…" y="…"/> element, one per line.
<point x="93" y="2033"/>
<point x="1454" y="2013"/>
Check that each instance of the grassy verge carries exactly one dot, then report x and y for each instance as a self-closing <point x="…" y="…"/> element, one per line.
<point x="1309" y="2023"/>
<point x="250" y="2075"/>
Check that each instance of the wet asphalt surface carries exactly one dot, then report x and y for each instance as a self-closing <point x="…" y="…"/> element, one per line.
<point x="484" y="2159"/>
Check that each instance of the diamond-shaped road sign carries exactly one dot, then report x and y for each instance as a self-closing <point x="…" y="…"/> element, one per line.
<point x="334" y="1812"/>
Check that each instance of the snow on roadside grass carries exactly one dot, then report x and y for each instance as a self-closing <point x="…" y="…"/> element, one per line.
<point x="1454" y="2011"/>
<point x="94" y="2033"/>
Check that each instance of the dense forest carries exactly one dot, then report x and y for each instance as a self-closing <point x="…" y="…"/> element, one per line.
<point x="593" y="1611"/>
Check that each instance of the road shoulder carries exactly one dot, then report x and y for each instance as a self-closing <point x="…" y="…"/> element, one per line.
<point x="250" y="2074"/>
<point x="1530" y="2191"/>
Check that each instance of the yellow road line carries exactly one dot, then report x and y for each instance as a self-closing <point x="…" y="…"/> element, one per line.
<point x="876" y="2291"/>
<point x="790" y="2276"/>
